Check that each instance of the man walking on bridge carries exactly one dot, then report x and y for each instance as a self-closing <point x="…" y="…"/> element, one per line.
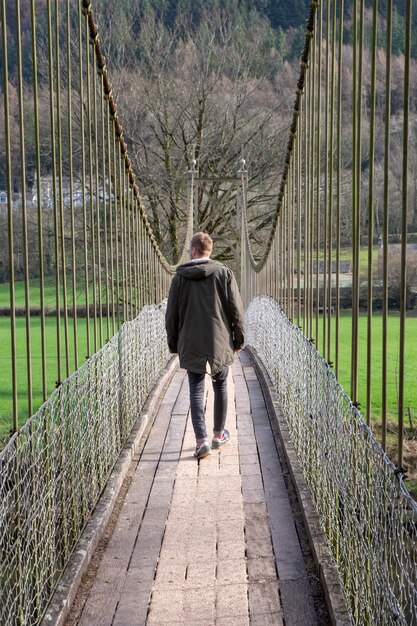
<point x="204" y="324"/>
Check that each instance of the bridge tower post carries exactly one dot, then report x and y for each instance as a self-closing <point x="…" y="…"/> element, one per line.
<point x="192" y="204"/>
<point x="241" y="248"/>
<point x="236" y="183"/>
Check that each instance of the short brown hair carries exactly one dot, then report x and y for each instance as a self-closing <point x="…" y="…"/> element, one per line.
<point x="202" y="242"/>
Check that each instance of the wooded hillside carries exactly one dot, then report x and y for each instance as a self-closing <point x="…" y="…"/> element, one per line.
<point x="214" y="79"/>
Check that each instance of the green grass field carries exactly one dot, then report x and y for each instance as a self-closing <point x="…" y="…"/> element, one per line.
<point x="49" y="293"/>
<point x="345" y="345"/>
<point x="344" y="367"/>
<point x="36" y="361"/>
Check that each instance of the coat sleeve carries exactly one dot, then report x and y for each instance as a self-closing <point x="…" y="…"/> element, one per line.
<point x="172" y="316"/>
<point x="237" y="315"/>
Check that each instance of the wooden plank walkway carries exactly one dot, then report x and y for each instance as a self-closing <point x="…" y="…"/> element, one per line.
<point x="209" y="542"/>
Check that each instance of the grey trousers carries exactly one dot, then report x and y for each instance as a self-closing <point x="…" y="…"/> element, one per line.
<point x="196" y="383"/>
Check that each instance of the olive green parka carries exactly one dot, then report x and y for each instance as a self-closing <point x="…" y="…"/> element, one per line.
<point x="204" y="317"/>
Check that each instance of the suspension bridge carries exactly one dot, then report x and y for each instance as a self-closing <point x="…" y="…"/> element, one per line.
<point x="303" y="518"/>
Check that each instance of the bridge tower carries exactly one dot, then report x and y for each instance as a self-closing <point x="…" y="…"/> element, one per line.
<point x="197" y="188"/>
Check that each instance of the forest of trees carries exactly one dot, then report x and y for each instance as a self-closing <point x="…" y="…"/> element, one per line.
<point x="121" y="23"/>
<point x="221" y="75"/>
<point x="214" y="79"/>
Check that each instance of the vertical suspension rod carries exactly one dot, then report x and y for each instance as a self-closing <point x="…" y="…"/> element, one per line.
<point x="331" y="186"/>
<point x="403" y="292"/>
<point x="55" y="210"/>
<point x="24" y="210"/>
<point x="71" y="181"/>
<point x="318" y="177"/>
<point x="371" y="216"/>
<point x="10" y="229"/>
<point x="81" y="12"/>
<point x="387" y="149"/>
<point x="98" y="204"/>
<point x="326" y="277"/>
<point x="39" y="204"/>
<point x="339" y="178"/>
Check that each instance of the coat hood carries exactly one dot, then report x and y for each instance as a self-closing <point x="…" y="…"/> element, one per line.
<point x="197" y="270"/>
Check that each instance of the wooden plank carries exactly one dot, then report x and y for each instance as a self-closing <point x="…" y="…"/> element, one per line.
<point x="264" y="599"/>
<point x="272" y="619"/>
<point x="260" y="569"/>
<point x="259" y="547"/>
<point x="141" y="527"/>
<point x="99" y="610"/>
<point x="250" y="459"/>
<point x="253" y="482"/>
<point x="296" y="595"/>
<point x="297" y="603"/>
<point x="132" y="609"/>
<point x="257" y="529"/>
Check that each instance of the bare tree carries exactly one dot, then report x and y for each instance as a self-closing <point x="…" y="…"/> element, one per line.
<point x="198" y="95"/>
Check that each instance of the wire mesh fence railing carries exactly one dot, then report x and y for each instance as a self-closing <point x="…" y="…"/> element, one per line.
<point x="53" y="470"/>
<point x="365" y="510"/>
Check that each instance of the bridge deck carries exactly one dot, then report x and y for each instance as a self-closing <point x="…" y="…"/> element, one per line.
<point x="209" y="542"/>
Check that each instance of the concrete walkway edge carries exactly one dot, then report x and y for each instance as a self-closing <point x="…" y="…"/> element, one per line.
<point x="66" y="590"/>
<point x="324" y="561"/>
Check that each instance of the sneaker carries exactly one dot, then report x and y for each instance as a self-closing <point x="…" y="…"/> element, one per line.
<point x="202" y="450"/>
<point x="216" y="442"/>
